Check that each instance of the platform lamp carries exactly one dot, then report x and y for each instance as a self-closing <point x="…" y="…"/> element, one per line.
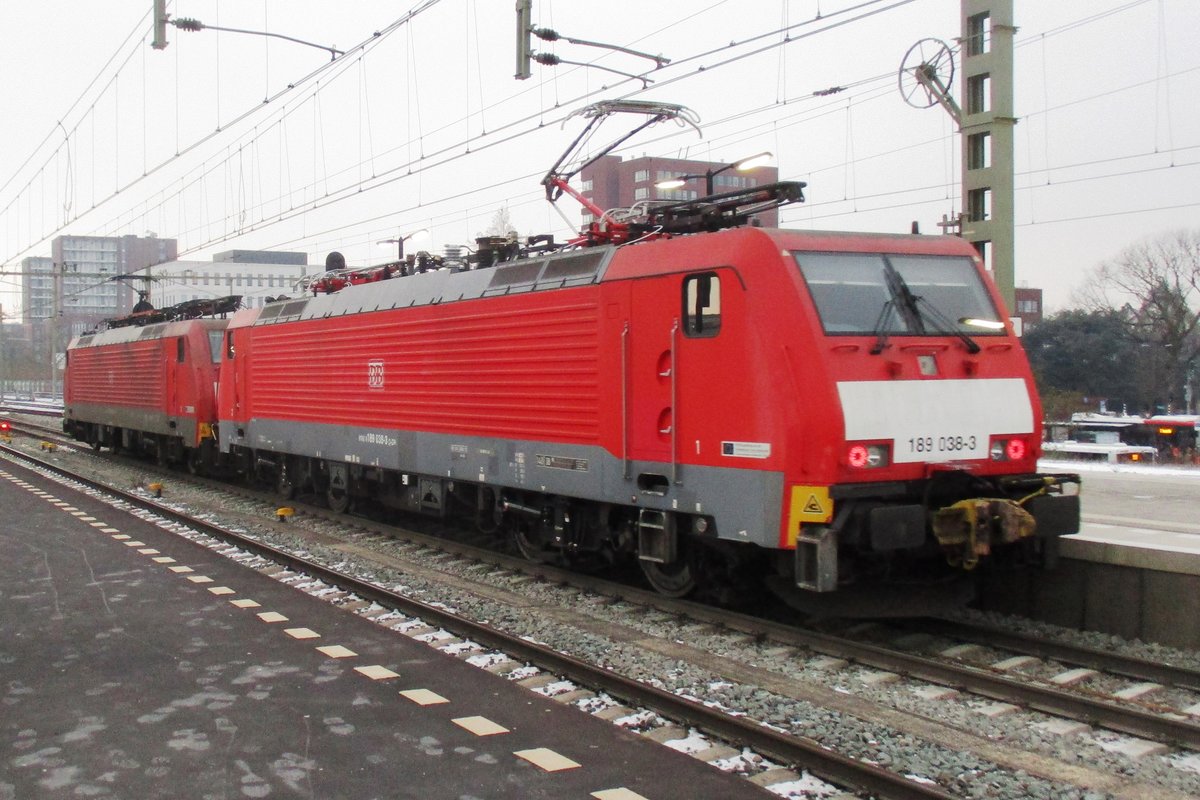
<point x="400" y="240"/>
<point x="748" y="163"/>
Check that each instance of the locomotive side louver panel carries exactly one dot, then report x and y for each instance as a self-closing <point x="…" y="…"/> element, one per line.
<point x="472" y="368"/>
<point x="126" y="375"/>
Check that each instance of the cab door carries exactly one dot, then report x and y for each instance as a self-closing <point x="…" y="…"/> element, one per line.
<point x="652" y="328"/>
<point x="722" y="388"/>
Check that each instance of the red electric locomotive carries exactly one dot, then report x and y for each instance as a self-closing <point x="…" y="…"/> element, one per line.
<point x="841" y="403"/>
<point x="148" y="383"/>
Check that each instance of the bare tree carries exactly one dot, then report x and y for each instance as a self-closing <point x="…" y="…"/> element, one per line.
<point x="501" y="224"/>
<point x="1156" y="285"/>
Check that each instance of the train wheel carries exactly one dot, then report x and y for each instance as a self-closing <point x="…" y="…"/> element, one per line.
<point x="192" y="459"/>
<point x="676" y="579"/>
<point x="337" y="499"/>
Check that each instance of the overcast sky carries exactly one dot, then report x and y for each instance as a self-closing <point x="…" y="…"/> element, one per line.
<point x="226" y="141"/>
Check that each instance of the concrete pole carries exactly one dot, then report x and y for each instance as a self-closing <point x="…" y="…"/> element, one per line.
<point x="987" y="137"/>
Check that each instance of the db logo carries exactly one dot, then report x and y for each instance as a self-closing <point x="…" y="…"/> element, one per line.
<point x="375" y="374"/>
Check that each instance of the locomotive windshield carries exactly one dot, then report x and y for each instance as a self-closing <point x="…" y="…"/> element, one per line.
<point x="885" y="295"/>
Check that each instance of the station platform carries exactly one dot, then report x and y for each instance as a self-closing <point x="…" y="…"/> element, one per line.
<point x="1118" y="576"/>
<point x="1166" y="547"/>
<point x="137" y="664"/>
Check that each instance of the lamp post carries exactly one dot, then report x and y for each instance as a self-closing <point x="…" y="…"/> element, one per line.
<point x="748" y="163"/>
<point x="400" y="240"/>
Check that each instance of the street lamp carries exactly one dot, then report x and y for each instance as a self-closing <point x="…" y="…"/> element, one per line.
<point x="400" y="240"/>
<point x="748" y="163"/>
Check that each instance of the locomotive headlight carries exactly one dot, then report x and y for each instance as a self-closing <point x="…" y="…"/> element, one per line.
<point x="1015" y="449"/>
<point x="868" y="456"/>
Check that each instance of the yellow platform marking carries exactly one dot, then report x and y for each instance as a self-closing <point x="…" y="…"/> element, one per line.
<point x="547" y="759"/>
<point x="66" y="507"/>
<point x="337" y="651"/>
<point x="221" y="590"/>
<point x="245" y="602"/>
<point x="110" y="530"/>
<point x="617" y="794"/>
<point x="98" y="524"/>
<point x="134" y="544"/>
<point x="164" y="560"/>
<point x="120" y="537"/>
<point x="424" y="697"/>
<point x="376" y="672"/>
<point x="77" y="513"/>
<point x="480" y="726"/>
<point x="180" y="569"/>
<point x="85" y="518"/>
<point x="148" y="551"/>
<point x="200" y="579"/>
<point x="272" y="616"/>
<point x="302" y="633"/>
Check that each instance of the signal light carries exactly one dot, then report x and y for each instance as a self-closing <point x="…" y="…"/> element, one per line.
<point x="5" y="427"/>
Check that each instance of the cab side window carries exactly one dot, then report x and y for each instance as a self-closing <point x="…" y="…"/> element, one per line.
<point x="702" y="304"/>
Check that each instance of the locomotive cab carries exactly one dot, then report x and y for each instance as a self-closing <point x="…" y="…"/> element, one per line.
<point x="938" y="416"/>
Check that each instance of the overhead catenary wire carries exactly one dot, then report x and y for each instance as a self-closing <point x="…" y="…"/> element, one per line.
<point x="328" y="176"/>
<point x="391" y="28"/>
<point x="368" y="42"/>
<point x="363" y="188"/>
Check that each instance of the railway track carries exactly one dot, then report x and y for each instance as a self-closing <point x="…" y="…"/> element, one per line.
<point x="1149" y="721"/>
<point x="1140" y="669"/>
<point x="838" y="769"/>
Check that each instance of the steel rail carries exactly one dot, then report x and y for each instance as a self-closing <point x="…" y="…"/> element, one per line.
<point x="791" y="750"/>
<point x="1078" y="655"/>
<point x="979" y="681"/>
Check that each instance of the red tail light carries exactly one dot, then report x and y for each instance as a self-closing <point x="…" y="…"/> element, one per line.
<point x="868" y="456"/>
<point x="857" y="456"/>
<point x="1004" y="448"/>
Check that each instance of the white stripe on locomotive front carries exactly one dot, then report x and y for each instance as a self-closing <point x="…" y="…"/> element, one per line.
<point x="939" y="420"/>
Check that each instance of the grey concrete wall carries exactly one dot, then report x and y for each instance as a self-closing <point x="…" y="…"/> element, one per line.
<point x="1132" y="602"/>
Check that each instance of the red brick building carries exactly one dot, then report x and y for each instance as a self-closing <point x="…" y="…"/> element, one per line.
<point x="1028" y="306"/>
